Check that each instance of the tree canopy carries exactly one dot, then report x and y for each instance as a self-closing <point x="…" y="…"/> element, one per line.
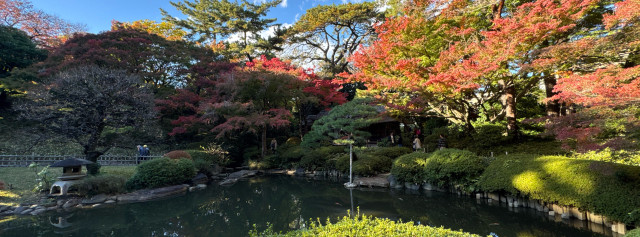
<point x="93" y="106"/>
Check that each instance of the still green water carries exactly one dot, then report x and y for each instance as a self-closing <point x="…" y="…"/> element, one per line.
<point x="286" y="202"/>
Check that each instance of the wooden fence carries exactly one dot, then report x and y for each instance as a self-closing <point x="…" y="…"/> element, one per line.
<point x="107" y="160"/>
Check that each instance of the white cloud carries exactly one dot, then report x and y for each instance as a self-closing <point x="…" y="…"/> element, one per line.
<point x="282" y="4"/>
<point x="235" y="37"/>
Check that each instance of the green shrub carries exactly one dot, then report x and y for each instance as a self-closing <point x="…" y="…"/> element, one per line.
<point x="368" y="165"/>
<point x="391" y="152"/>
<point x="633" y="233"/>
<point x="457" y="168"/>
<point x="205" y="161"/>
<point x="604" y="188"/>
<point x="410" y="167"/>
<point x="331" y="150"/>
<point x="313" y="161"/>
<point x="366" y="226"/>
<point x="293" y="141"/>
<point x="609" y="155"/>
<point x="102" y="184"/>
<point x="161" y="172"/>
<point x="290" y="154"/>
<point x="177" y="155"/>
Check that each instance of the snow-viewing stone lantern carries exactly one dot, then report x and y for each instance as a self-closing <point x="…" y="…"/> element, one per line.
<point x="71" y="174"/>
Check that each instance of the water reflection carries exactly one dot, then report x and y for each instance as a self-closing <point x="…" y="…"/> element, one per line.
<point x="287" y="203"/>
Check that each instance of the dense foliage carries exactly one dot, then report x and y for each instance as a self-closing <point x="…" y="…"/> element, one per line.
<point x="459" y="169"/>
<point x="366" y="226"/>
<point x="604" y="188"/>
<point x="161" y="172"/>
<point x="346" y="120"/>
<point x="102" y="184"/>
<point x="92" y="106"/>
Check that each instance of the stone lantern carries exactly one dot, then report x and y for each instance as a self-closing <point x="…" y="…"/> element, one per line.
<point x="71" y="174"/>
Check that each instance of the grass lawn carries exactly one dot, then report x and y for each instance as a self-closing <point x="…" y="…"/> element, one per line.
<point x="22" y="180"/>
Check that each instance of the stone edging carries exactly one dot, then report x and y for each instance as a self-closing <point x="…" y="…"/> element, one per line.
<point x="100" y="200"/>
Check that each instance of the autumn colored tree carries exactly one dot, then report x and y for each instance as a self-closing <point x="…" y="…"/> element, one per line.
<point x="167" y="30"/>
<point x="44" y="28"/>
<point x="460" y="61"/>
<point x="600" y="76"/>
<point x="263" y="94"/>
<point x="92" y="106"/>
<point x="158" y="61"/>
<point x="326" y="35"/>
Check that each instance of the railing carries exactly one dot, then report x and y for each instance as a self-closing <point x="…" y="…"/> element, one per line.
<point x="107" y="160"/>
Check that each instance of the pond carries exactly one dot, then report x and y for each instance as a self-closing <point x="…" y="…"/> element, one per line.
<point x="286" y="202"/>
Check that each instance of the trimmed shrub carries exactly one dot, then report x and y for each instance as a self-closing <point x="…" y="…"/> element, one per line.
<point x="609" y="155"/>
<point x="364" y="164"/>
<point x="161" y="172"/>
<point x="367" y="226"/>
<point x="605" y="188"/>
<point x="633" y="233"/>
<point x="410" y="167"/>
<point x="177" y="155"/>
<point x="457" y="168"/>
<point x="293" y="141"/>
<point x="313" y="161"/>
<point x="102" y="184"/>
<point x="205" y="161"/>
<point x="391" y="152"/>
<point x="290" y="154"/>
<point x="368" y="165"/>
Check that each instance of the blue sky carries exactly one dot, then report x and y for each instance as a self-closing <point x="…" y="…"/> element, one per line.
<point x="97" y="14"/>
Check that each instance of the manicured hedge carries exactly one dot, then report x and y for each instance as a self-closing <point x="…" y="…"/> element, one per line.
<point x="410" y="167"/>
<point x="610" y="189"/>
<point x="391" y="152"/>
<point x="102" y="183"/>
<point x="161" y="172"/>
<point x="452" y="167"/>
<point x="368" y="226"/>
<point x="633" y="233"/>
<point x="365" y="165"/>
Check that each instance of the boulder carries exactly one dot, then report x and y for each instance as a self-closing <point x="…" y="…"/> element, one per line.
<point x="411" y="186"/>
<point x="228" y="181"/>
<point x="200" y="179"/>
<point x="299" y="172"/>
<point x="3" y="208"/>
<point x="25" y="212"/>
<point x="110" y="201"/>
<point x="100" y="198"/>
<point x="71" y="203"/>
<point x="151" y="194"/>
<point x="235" y="176"/>
<point x="38" y="211"/>
<point x="242" y="174"/>
<point x="201" y="186"/>
<point x="20" y="209"/>
<point x="379" y="181"/>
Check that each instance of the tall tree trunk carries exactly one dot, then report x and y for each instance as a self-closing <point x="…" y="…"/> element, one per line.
<point x="510" y="102"/>
<point x="497" y="9"/>
<point x="552" y="106"/>
<point x="264" y="141"/>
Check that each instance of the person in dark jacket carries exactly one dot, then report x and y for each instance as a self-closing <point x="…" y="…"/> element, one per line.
<point x="442" y="142"/>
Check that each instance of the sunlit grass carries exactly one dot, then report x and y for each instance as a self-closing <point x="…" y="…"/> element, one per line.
<point x="22" y="180"/>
